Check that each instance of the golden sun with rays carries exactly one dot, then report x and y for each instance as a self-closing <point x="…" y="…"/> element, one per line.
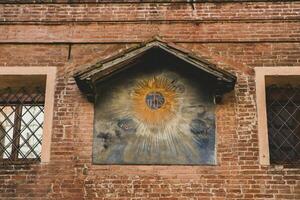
<point x="155" y="100"/>
<point x="155" y="118"/>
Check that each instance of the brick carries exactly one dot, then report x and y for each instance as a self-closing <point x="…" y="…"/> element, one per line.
<point x="235" y="36"/>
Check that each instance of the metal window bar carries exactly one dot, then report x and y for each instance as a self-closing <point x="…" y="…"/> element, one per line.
<point x="21" y="125"/>
<point x="283" y="113"/>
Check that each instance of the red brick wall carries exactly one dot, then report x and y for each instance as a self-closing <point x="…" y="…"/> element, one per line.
<point x="235" y="35"/>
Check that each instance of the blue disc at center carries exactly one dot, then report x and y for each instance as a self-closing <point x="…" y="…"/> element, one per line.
<point x="155" y="100"/>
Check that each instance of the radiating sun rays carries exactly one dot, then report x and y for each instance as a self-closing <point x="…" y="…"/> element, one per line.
<point x="153" y="119"/>
<point x="156" y="106"/>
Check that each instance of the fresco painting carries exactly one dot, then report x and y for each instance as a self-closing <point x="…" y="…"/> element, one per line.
<point x="156" y="117"/>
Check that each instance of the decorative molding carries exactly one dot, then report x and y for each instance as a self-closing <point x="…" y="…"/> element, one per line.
<point x="260" y="74"/>
<point x="50" y="73"/>
<point x="132" y="1"/>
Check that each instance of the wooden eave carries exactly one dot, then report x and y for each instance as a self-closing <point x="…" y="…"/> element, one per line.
<point x="86" y="78"/>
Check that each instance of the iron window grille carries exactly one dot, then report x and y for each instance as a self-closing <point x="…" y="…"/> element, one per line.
<point x="21" y="125"/>
<point x="283" y="113"/>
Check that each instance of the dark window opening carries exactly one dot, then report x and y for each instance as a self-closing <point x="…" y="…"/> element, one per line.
<point x="283" y="113"/>
<point x="21" y="124"/>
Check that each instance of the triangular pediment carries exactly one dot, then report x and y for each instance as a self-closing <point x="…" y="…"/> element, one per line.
<point x="160" y="51"/>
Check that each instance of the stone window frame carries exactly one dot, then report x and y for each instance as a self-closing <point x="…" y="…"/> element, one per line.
<point x="260" y="83"/>
<point x="50" y="73"/>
